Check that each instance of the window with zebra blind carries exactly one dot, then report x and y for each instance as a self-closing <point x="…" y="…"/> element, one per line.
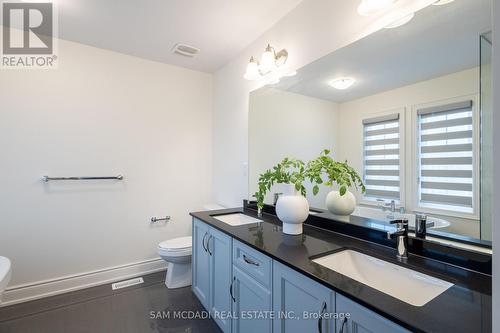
<point x="446" y="161"/>
<point x="381" y="165"/>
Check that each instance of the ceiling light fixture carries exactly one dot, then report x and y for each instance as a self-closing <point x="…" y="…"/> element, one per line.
<point x="442" y="2"/>
<point x="342" y="83"/>
<point x="270" y="65"/>
<point x="401" y="21"/>
<point x="371" y="7"/>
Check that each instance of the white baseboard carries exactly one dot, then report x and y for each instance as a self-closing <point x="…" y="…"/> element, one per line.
<point x="41" y="289"/>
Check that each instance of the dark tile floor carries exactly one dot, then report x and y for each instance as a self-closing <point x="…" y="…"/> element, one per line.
<point x="143" y="308"/>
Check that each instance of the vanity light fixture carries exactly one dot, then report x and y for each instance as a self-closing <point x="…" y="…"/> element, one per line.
<point x="252" y="72"/>
<point x="371" y="7"/>
<point x="268" y="60"/>
<point x="401" y="21"/>
<point x="442" y="2"/>
<point x="342" y="83"/>
<point x="270" y="66"/>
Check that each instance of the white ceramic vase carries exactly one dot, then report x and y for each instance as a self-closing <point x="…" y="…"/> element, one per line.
<point x="341" y="205"/>
<point x="292" y="209"/>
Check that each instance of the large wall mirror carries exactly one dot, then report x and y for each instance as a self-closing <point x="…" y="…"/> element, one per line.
<point x="416" y="123"/>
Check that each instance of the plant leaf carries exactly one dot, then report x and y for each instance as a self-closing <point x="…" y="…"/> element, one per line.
<point x="342" y="190"/>
<point x="315" y="189"/>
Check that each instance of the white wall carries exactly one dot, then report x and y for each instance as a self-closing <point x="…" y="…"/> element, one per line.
<point x="311" y="30"/>
<point x="100" y="113"/>
<point x="496" y="176"/>
<point x="279" y="122"/>
<point x="403" y="99"/>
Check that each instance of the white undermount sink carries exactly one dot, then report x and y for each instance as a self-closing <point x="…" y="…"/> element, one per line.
<point x="402" y="283"/>
<point x="236" y="219"/>
<point x="5" y="272"/>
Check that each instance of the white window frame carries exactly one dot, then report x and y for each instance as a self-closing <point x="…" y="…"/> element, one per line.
<point x="402" y="155"/>
<point x="413" y="200"/>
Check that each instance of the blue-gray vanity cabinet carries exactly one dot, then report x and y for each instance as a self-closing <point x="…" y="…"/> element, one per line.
<point x="212" y="271"/>
<point x="252" y="289"/>
<point x="201" y="262"/>
<point x="297" y="296"/>
<point x="362" y="320"/>
<point x="233" y="279"/>
<point x="252" y="304"/>
<point x="254" y="263"/>
<point x="219" y="246"/>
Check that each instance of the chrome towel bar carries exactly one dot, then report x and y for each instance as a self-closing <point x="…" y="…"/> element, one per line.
<point x="47" y="178"/>
<point x="155" y="219"/>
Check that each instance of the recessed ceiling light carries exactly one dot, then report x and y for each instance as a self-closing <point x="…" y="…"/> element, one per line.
<point x="401" y="21"/>
<point x="342" y="83"/>
<point x="370" y="7"/>
<point x="442" y="2"/>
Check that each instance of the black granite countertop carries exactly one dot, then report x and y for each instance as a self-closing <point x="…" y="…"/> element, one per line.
<point x="465" y="307"/>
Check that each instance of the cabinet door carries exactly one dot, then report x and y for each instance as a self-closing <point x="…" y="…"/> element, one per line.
<point x="295" y="296"/>
<point x="219" y="246"/>
<point x="362" y="320"/>
<point x="201" y="262"/>
<point x="252" y="304"/>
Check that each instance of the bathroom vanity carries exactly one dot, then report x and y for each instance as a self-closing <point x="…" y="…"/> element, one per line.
<point x="414" y="125"/>
<point x="254" y="278"/>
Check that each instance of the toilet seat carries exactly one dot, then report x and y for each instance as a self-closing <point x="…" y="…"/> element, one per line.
<point x="176" y="247"/>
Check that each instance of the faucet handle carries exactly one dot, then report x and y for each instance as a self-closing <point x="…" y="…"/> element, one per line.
<point x="401" y="223"/>
<point x="402" y="220"/>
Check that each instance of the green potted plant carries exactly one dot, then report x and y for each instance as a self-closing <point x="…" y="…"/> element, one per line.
<point x="292" y="207"/>
<point x="341" y="202"/>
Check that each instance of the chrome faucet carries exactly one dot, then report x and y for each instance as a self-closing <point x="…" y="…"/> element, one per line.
<point x="420" y="225"/>
<point x="401" y="235"/>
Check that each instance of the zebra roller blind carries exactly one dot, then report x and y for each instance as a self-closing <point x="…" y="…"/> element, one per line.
<point x="446" y="159"/>
<point x="381" y="171"/>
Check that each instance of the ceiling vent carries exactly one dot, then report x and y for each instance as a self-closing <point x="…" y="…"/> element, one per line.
<point x="185" y="50"/>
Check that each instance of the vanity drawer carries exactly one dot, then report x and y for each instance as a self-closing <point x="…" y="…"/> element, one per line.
<point x="253" y="262"/>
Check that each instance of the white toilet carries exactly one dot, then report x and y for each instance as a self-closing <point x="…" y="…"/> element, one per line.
<point x="177" y="253"/>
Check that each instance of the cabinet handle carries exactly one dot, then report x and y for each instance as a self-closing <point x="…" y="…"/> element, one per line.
<point x="344" y="321"/>
<point x="231" y="289"/>
<point x="203" y="241"/>
<point x="320" y="319"/>
<point x="208" y="244"/>
<point x="250" y="261"/>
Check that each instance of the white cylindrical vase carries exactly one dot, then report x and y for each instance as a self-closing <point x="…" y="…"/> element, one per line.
<point x="341" y="204"/>
<point x="292" y="209"/>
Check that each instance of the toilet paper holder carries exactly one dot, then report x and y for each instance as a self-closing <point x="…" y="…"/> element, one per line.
<point x="155" y="219"/>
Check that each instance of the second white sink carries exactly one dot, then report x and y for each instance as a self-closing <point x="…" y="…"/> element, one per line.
<point x="402" y="283"/>
<point x="236" y="219"/>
